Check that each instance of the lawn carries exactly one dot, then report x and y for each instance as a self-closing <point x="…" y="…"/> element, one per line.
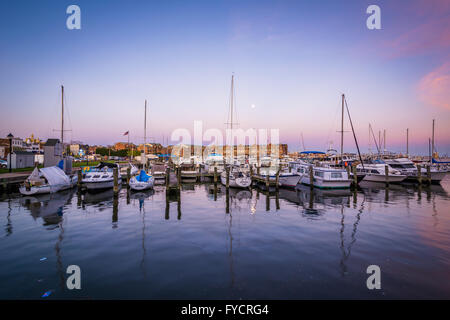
<point x="29" y="169"/>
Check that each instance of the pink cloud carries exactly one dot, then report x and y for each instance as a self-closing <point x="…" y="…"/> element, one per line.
<point x="434" y="88"/>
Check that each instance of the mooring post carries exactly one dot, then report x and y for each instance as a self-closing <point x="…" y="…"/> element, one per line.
<point x="128" y="176"/>
<point x="215" y="175"/>
<point x="116" y="181"/>
<point x="355" y="176"/>
<point x="428" y="174"/>
<point x="179" y="177"/>
<point x="267" y="180"/>
<point x="419" y="173"/>
<point x="80" y="178"/>
<point x="257" y="171"/>
<point x="167" y="177"/>
<point x="311" y="176"/>
<point x="277" y="180"/>
<point x="228" y="177"/>
<point x="386" y="174"/>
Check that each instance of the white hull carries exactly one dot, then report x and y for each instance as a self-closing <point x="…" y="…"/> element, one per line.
<point x="326" y="184"/>
<point x="98" y="185"/>
<point x="289" y="181"/>
<point x="243" y="182"/>
<point x="35" y="190"/>
<point x="138" y="186"/>
<point x="382" y="178"/>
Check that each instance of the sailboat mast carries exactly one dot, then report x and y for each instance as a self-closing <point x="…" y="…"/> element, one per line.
<point x="407" y="142"/>
<point x="384" y="141"/>
<point x="432" y="140"/>
<point x="62" y="117"/>
<point x="145" y="132"/>
<point x="342" y="128"/>
<point x="231" y="104"/>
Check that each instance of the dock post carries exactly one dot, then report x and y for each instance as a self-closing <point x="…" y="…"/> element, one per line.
<point x="80" y="178"/>
<point x="355" y="176"/>
<point x="267" y="181"/>
<point x="277" y="180"/>
<point x="228" y="177"/>
<point x="215" y="175"/>
<point x="116" y="181"/>
<point x="178" y="177"/>
<point x="167" y="177"/>
<point x="386" y="174"/>
<point x="128" y="176"/>
<point x="311" y="176"/>
<point x="251" y="172"/>
<point x="257" y="171"/>
<point x="419" y="173"/>
<point x="429" y="174"/>
<point x="348" y="170"/>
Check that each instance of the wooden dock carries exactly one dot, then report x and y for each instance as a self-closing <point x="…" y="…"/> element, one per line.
<point x="8" y="181"/>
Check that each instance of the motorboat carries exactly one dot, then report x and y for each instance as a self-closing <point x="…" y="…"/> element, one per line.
<point x="142" y="181"/>
<point x="238" y="177"/>
<point x="47" y="180"/>
<point x="408" y="168"/>
<point x="101" y="176"/>
<point x="323" y="177"/>
<point x="375" y="171"/>
<point x="285" y="178"/>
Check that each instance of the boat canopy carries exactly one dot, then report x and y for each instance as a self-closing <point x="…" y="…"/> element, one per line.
<point x="433" y="160"/>
<point x="55" y="176"/>
<point x="107" y="164"/>
<point x="143" y="177"/>
<point x="312" y="152"/>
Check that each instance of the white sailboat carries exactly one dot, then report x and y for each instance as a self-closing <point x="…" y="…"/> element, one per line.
<point x="143" y="180"/>
<point x="101" y="176"/>
<point x="47" y="180"/>
<point x="238" y="178"/>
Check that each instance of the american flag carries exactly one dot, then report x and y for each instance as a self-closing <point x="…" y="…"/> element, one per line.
<point x="126" y="133"/>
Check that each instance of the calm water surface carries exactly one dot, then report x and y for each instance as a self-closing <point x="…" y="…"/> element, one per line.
<point x="248" y="245"/>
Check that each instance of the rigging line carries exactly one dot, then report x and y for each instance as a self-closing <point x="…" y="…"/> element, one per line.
<point x="374" y="139"/>
<point x="353" y="130"/>
<point x="66" y="107"/>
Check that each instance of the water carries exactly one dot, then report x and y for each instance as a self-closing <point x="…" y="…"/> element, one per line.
<point x="290" y="246"/>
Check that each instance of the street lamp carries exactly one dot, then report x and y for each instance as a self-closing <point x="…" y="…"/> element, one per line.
<point x="10" y="137"/>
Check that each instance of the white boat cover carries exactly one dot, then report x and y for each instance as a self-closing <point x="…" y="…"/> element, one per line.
<point x="34" y="176"/>
<point x="56" y="177"/>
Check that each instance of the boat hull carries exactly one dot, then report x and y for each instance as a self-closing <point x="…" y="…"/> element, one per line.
<point x="243" y="182"/>
<point x="99" y="185"/>
<point x="35" y="190"/>
<point x="382" y="178"/>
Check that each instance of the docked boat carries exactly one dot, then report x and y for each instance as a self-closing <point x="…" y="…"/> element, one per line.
<point x="238" y="178"/>
<point x="47" y="180"/>
<point x="214" y="160"/>
<point x="101" y="176"/>
<point x="188" y="171"/>
<point x="323" y="177"/>
<point x="375" y="171"/>
<point x="407" y="167"/>
<point x="142" y="181"/>
<point x="285" y="178"/>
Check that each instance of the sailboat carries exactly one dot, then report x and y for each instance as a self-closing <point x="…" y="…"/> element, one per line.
<point x="239" y="177"/>
<point x="51" y="179"/>
<point x="143" y="180"/>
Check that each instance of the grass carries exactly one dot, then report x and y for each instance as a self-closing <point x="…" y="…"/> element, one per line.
<point x="29" y="169"/>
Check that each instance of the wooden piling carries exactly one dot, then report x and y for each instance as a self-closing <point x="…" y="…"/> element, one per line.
<point x="311" y="176"/>
<point x="355" y="176"/>
<point x="267" y="181"/>
<point x="167" y="177"/>
<point x="215" y="175"/>
<point x="228" y="177"/>
<point x="116" y="181"/>
<point x="419" y="173"/>
<point x="277" y="180"/>
<point x="428" y="174"/>
<point x="80" y="178"/>
<point x="386" y="174"/>
<point x="128" y="176"/>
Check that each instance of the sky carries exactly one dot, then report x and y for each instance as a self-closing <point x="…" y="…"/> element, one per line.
<point x="292" y="60"/>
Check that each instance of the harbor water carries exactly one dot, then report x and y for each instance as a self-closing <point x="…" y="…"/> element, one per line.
<point x="207" y="243"/>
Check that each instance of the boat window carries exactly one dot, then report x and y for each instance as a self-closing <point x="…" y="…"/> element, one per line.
<point x="336" y="175"/>
<point x="96" y="176"/>
<point x="318" y="173"/>
<point x="373" y="171"/>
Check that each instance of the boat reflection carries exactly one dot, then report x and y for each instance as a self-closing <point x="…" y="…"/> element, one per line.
<point x="48" y="207"/>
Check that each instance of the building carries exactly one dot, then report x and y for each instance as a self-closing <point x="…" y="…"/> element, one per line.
<point x="152" y="148"/>
<point x="123" y="146"/>
<point x="21" y="159"/>
<point x="52" y="152"/>
<point x="74" y="149"/>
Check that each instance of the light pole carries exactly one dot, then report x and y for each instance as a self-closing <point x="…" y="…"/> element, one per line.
<point x="10" y="137"/>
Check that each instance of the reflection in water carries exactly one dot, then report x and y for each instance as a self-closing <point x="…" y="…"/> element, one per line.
<point x="317" y="235"/>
